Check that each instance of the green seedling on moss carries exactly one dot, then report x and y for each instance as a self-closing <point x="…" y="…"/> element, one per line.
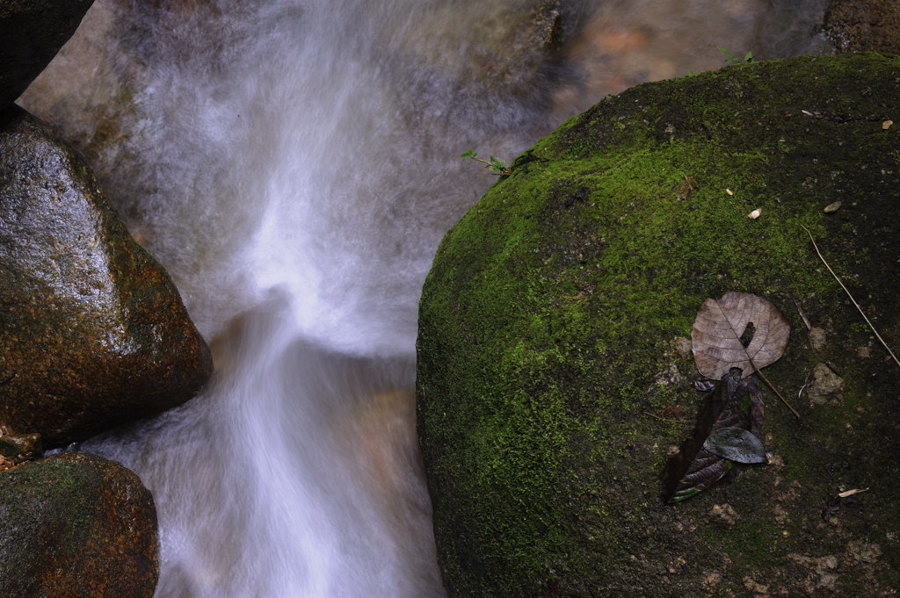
<point x="732" y="59"/>
<point x="495" y="165"/>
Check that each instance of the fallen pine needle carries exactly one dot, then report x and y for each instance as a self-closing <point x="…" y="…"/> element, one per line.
<point x="851" y="296"/>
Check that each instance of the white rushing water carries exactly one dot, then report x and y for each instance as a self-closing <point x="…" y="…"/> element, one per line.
<point x="294" y="163"/>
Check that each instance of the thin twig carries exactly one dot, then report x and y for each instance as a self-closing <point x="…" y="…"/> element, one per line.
<point x="775" y="390"/>
<point x="821" y="257"/>
<point x="753" y="365"/>
<point x="663" y="419"/>
<point x="803" y="316"/>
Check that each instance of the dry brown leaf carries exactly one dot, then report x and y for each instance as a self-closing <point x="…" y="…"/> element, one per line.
<point x="716" y="337"/>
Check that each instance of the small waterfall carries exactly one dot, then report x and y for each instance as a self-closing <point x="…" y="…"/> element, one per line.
<point x="294" y="163"/>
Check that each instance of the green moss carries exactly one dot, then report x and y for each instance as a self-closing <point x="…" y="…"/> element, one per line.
<point x="76" y="523"/>
<point x="547" y="328"/>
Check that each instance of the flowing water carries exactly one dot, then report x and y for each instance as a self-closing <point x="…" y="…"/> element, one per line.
<point x="294" y="163"/>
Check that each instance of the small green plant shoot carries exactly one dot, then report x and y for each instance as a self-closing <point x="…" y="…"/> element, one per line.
<point x="732" y="59"/>
<point x="495" y="165"/>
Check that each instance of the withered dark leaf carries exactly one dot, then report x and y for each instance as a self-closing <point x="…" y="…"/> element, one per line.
<point x="736" y="444"/>
<point x="724" y="325"/>
<point x="704" y="384"/>
<point x="701" y="462"/>
<point x="757" y="406"/>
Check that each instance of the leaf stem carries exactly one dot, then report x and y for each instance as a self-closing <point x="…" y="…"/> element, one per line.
<point x="737" y="335"/>
<point x="816" y="247"/>
<point x="662" y="419"/>
<point x="495" y="165"/>
<point x="775" y="390"/>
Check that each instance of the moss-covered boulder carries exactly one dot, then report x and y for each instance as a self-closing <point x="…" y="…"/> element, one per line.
<point x="92" y="331"/>
<point x="31" y="33"/>
<point x="554" y="364"/>
<point x="76" y="525"/>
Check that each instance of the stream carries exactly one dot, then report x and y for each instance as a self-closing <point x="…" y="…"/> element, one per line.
<point x="294" y="164"/>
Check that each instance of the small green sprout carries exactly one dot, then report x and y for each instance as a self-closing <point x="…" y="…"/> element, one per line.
<point x="495" y="165"/>
<point x="732" y="59"/>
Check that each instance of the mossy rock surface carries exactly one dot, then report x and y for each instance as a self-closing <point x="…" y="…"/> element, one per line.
<point x="550" y="384"/>
<point x="76" y="525"/>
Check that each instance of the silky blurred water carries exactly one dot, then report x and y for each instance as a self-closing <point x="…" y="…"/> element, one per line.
<point x="294" y="164"/>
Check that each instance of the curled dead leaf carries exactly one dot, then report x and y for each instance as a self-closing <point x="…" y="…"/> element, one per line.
<point x="739" y="330"/>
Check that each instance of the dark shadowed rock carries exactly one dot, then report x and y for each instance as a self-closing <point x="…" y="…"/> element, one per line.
<point x="31" y="33"/>
<point x="92" y="331"/>
<point x="499" y="51"/>
<point x="857" y="25"/>
<point x="552" y="378"/>
<point x="76" y="525"/>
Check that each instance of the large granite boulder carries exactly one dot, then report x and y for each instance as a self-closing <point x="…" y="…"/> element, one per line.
<point x="31" y="33"/>
<point x="92" y="331"/>
<point x="76" y="525"/>
<point x="554" y="364"/>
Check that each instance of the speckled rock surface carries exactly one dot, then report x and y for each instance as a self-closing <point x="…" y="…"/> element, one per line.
<point x="864" y="25"/>
<point x="92" y="331"/>
<point x="31" y="33"/>
<point x="75" y="525"/>
<point x="552" y="377"/>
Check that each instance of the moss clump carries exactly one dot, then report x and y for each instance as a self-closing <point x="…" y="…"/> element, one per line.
<point x="548" y="328"/>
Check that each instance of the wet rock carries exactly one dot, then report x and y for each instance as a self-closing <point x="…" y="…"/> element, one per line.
<point x="92" y="330"/>
<point x="757" y="589"/>
<point x="499" y="51"/>
<point x="512" y="40"/>
<point x="31" y="33"/>
<point x="817" y="339"/>
<point x="684" y="347"/>
<point x="544" y="323"/>
<point x="822" y="575"/>
<point x="825" y="385"/>
<point x="76" y="525"/>
<point x="16" y="449"/>
<point x="723" y="514"/>
<point x="857" y="25"/>
<point x="861" y="551"/>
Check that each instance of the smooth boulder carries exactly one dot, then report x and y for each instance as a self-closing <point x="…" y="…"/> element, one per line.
<point x="555" y="375"/>
<point x="92" y="331"/>
<point x="75" y="524"/>
<point x="31" y="33"/>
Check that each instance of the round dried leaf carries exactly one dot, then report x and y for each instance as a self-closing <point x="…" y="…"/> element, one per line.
<point x="720" y="324"/>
